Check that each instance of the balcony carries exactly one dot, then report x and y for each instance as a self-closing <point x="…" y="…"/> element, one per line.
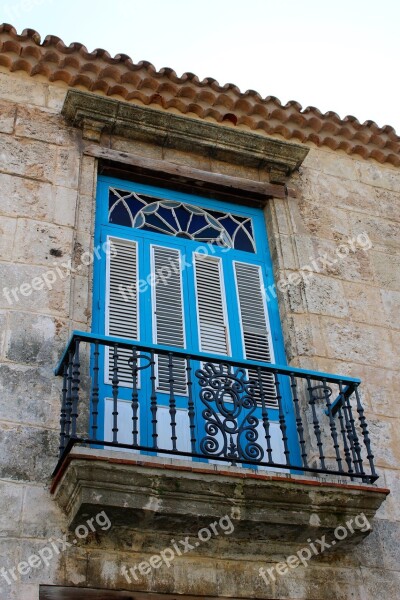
<point x="151" y="433"/>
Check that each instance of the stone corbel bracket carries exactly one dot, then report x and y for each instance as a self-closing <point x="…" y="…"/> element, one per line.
<point x="96" y="114"/>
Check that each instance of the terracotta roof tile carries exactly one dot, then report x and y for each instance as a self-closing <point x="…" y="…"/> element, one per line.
<point x="98" y="72"/>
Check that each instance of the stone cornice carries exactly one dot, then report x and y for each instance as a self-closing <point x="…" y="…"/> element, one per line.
<point x="96" y="114"/>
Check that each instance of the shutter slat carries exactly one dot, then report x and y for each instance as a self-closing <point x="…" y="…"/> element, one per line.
<point x="210" y="305"/>
<point x="255" y="325"/>
<point x="122" y="308"/>
<point x="169" y="319"/>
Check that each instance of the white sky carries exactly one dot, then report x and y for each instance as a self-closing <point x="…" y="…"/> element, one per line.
<point x="333" y="54"/>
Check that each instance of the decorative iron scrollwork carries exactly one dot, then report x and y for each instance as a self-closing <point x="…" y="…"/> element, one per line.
<point x="230" y="423"/>
<point x="140" y="362"/>
<point x="320" y="393"/>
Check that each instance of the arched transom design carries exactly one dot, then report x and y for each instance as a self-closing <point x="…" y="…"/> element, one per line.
<point x="180" y="219"/>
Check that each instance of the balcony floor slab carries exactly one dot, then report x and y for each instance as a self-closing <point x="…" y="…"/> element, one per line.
<point x="180" y="497"/>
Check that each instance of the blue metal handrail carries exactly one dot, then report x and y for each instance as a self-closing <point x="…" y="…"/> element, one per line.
<point x="106" y="340"/>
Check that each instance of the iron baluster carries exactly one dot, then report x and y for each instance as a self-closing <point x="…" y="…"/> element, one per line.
<point x="68" y="407"/>
<point x="63" y="410"/>
<point x="75" y="389"/>
<point x="191" y="409"/>
<point x="282" y="421"/>
<point x="115" y="382"/>
<point x="349" y="428"/>
<point x="354" y="437"/>
<point x="172" y="403"/>
<point x="95" y="390"/>
<point x="365" y="432"/>
<point x="135" y="397"/>
<point x="332" y="424"/>
<point x="348" y="441"/>
<point x="344" y="439"/>
<point x="299" y="422"/>
<point x="317" y="429"/>
<point x="153" y="400"/>
<point x="264" y="414"/>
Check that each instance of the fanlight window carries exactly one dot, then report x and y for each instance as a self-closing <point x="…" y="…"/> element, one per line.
<point x="179" y="219"/>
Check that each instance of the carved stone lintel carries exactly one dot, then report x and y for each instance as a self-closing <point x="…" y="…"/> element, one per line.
<point x="95" y="114"/>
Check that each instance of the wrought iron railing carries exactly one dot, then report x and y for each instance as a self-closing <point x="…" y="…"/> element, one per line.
<point x="164" y="401"/>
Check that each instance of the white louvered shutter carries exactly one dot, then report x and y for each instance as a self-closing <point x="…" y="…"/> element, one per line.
<point x="255" y="324"/>
<point x="211" y="305"/>
<point x="122" y="303"/>
<point x="169" y="327"/>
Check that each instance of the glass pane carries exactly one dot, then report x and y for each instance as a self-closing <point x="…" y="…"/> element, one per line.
<point x="175" y="218"/>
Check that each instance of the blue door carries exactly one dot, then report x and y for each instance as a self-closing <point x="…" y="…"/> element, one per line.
<point x="186" y="272"/>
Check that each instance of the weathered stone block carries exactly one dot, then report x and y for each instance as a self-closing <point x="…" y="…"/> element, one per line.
<point x="7" y="117"/>
<point x="383" y="233"/>
<point x="25" y="591"/>
<point x="386" y="269"/>
<point x="363" y="344"/>
<point x="3" y="323"/>
<point x="387" y="453"/>
<point x="42" y="243"/>
<point x="319" y="256"/>
<point x="11" y="508"/>
<point x="82" y="303"/>
<point x="380" y="583"/>
<point x="26" y="157"/>
<point x="67" y="167"/>
<point x="21" y="386"/>
<point x="388" y="203"/>
<point x="8" y="227"/>
<point x="382" y="176"/>
<point x="56" y="96"/>
<point x="45" y="125"/>
<point x="325" y="296"/>
<point x="31" y="288"/>
<point x="25" y="198"/>
<point x="20" y="88"/>
<point x="34" y="339"/>
<point x="137" y="147"/>
<point x="27" y="453"/>
<point x="65" y="204"/>
<point x="305" y="331"/>
<point x="380" y="388"/>
<point x="365" y="304"/>
<point x="332" y="192"/>
<point x="41" y="517"/>
<point x="333" y="163"/>
<point x="86" y="210"/>
<point x="390" y="509"/>
<point x="88" y="176"/>
<point x="391" y="304"/>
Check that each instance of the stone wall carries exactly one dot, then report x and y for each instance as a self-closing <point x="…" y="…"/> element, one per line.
<point x="345" y="320"/>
